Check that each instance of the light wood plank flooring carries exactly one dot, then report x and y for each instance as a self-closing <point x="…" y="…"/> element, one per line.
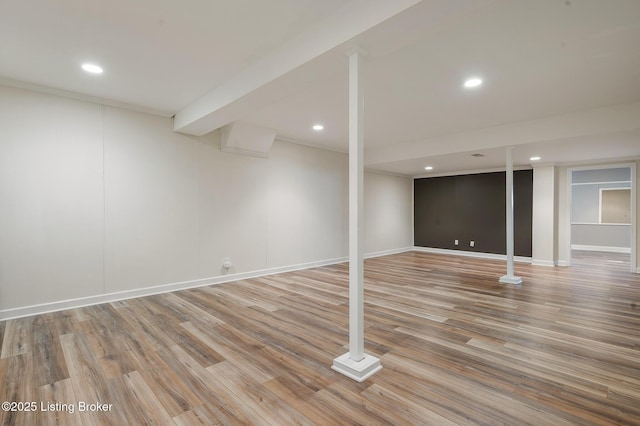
<point x="456" y="347"/>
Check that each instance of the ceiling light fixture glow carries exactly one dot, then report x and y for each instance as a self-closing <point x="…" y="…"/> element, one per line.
<point x="473" y="82"/>
<point x="318" y="127"/>
<point x="428" y="168"/>
<point x="92" y="68"/>
<point x="536" y="158"/>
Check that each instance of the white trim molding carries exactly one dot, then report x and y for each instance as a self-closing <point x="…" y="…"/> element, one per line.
<point x="601" y="224"/>
<point x="539" y="262"/>
<point x="13" y="313"/>
<point x="387" y="252"/>
<point x="494" y="256"/>
<point x="81" y="97"/>
<point x="7" y="314"/>
<point x="601" y="248"/>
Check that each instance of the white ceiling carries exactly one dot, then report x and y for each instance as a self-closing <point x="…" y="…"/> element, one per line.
<point x="157" y="54"/>
<point x="562" y="77"/>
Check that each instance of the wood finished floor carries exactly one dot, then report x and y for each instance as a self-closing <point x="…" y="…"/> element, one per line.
<point x="456" y="347"/>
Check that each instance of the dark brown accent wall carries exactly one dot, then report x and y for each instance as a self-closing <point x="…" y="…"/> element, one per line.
<point x="473" y="207"/>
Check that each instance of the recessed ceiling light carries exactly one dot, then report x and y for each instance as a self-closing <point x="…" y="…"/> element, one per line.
<point x="92" y="68"/>
<point x="318" y="127"/>
<point x="534" y="158"/>
<point x="428" y="168"/>
<point x="472" y="82"/>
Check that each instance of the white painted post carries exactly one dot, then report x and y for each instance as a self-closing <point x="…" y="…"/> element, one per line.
<point x="355" y="363"/>
<point x="356" y="190"/>
<point x="510" y="278"/>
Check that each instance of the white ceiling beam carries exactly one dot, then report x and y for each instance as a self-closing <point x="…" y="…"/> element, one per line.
<point x="598" y="121"/>
<point x="259" y="84"/>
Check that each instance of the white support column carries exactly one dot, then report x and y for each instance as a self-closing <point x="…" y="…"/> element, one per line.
<point x="355" y="363"/>
<point x="510" y="278"/>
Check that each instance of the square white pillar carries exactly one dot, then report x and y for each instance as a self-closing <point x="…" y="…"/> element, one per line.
<point x="510" y="278"/>
<point x="355" y="364"/>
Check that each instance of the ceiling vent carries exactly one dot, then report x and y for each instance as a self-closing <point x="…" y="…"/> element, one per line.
<point x="246" y="139"/>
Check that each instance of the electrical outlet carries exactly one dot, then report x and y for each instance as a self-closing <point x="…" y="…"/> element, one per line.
<point x="455" y="242"/>
<point x="472" y="243"/>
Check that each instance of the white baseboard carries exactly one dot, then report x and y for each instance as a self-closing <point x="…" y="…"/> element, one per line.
<point x="493" y="256"/>
<point x="387" y="252"/>
<point x="538" y="262"/>
<point x="563" y="263"/>
<point x="7" y="314"/>
<point x="601" y="248"/>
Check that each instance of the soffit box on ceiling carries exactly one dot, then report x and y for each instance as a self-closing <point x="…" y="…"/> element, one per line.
<point x="247" y="139"/>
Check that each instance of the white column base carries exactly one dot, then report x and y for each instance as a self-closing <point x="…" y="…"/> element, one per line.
<point x="506" y="279"/>
<point x="357" y="370"/>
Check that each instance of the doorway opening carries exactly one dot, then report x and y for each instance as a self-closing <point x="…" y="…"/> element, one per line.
<point x="602" y="226"/>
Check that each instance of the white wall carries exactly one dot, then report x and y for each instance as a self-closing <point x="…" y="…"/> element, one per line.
<point x="51" y="199"/>
<point x="601" y="237"/>
<point x="388" y="212"/>
<point x="103" y="201"/>
<point x="307" y="193"/>
<point x="151" y="202"/>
